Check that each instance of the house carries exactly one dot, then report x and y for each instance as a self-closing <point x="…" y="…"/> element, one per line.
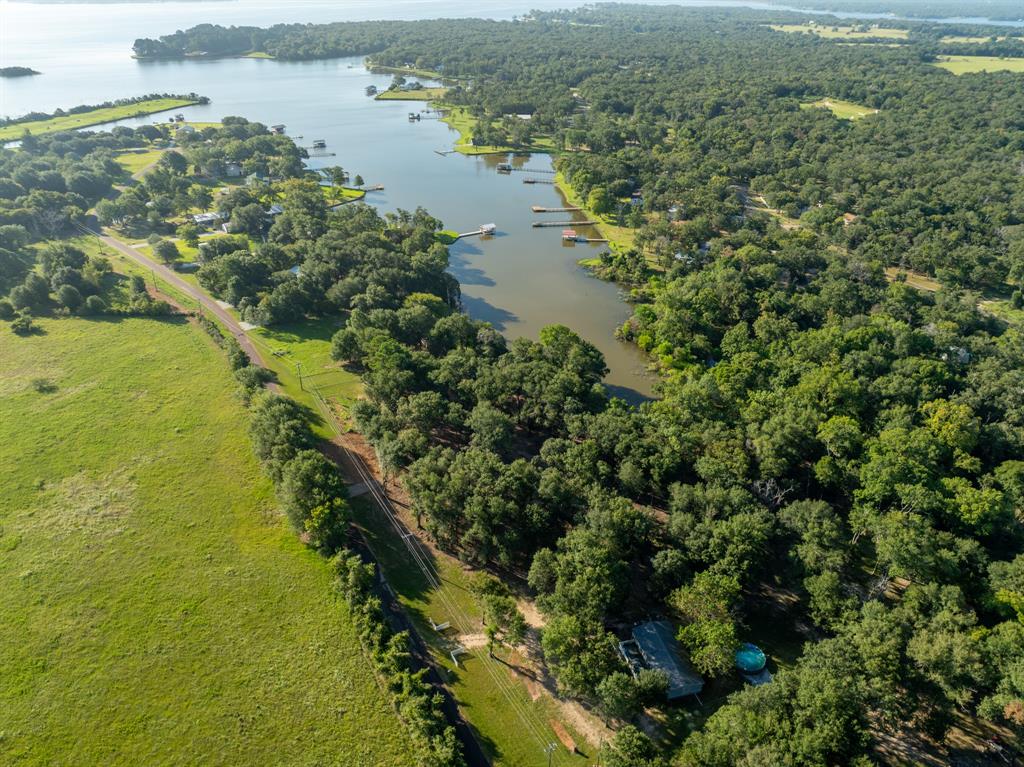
<point x="488" y="228"/>
<point x="185" y="129"/>
<point x="655" y="644"/>
<point x="274" y="210"/>
<point x="849" y="218"/>
<point x="233" y="169"/>
<point x="255" y="179"/>
<point x="206" y="219"/>
<point x="277" y="129"/>
<point x="636" y="199"/>
<point x="569" y="235"/>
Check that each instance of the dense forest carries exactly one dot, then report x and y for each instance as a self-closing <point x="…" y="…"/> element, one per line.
<point x="836" y="458"/>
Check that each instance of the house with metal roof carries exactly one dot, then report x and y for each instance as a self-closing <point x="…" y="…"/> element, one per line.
<point x="656" y="642"/>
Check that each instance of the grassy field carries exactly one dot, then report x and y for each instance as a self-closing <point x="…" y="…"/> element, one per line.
<point x="421" y="94"/>
<point x="842" y="33"/>
<point x="257" y="55"/>
<point x="844" y="110"/>
<point x="962" y="65"/>
<point x="426" y="74"/>
<point x="93" y="117"/>
<point x="138" y="160"/>
<point x="156" y="608"/>
<point x="964" y="40"/>
<point x="308" y="344"/>
<point x="462" y="121"/>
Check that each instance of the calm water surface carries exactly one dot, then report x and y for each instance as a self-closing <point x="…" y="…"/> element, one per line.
<point x="520" y="280"/>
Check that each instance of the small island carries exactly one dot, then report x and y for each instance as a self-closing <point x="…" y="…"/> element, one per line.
<point x="17" y="72"/>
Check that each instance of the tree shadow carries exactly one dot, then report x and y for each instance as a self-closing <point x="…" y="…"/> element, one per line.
<point x="459" y="266"/>
<point x="480" y="309"/>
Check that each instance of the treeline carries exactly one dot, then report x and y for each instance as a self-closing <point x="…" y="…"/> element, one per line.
<point x="314" y="499"/>
<point x="34" y="116"/>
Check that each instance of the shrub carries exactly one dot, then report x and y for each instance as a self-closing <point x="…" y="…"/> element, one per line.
<point x="95" y="305"/>
<point x="6" y="310"/>
<point x="22" y="324"/>
<point x="70" y="297"/>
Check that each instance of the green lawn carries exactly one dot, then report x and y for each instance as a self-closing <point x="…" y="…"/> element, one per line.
<point x="461" y="120"/>
<point x="962" y="65"/>
<point x="965" y="40"/>
<point x="842" y="33"/>
<point x="619" y="237"/>
<point x="308" y="344"/>
<point x="844" y="110"/>
<point x="156" y="608"/>
<point x="421" y="94"/>
<point x="137" y="160"/>
<point x="257" y="55"/>
<point x="93" y="117"/>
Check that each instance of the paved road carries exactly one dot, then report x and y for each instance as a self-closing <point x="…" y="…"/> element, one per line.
<point x="170" y="276"/>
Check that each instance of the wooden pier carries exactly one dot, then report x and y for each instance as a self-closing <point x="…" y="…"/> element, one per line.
<point x="564" y="223"/>
<point x="542" y="209"/>
<point x="488" y="229"/>
<point x="537" y="181"/>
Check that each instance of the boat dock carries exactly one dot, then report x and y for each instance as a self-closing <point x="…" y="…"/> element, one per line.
<point x="537" y="181"/>
<point x="505" y="167"/>
<point x="542" y="209"/>
<point x="485" y="229"/>
<point x="564" y="223"/>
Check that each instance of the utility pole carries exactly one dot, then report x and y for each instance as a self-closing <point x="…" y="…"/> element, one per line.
<point x="549" y="749"/>
<point x="298" y="366"/>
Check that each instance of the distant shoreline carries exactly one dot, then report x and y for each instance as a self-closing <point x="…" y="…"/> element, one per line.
<point x="18" y="72"/>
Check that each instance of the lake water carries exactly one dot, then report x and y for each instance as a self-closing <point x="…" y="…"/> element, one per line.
<point x="520" y="280"/>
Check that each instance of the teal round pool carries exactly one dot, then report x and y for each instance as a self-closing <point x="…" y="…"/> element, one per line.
<point x="749" y="658"/>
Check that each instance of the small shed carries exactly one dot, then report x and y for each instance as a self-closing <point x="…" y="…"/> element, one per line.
<point x="660" y="650"/>
<point x="488" y="228"/>
<point x="233" y="169"/>
<point x="569" y="234"/>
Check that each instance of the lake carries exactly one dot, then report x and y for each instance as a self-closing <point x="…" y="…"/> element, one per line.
<point x="520" y="280"/>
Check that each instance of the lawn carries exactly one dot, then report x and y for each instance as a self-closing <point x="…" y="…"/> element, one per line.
<point x="962" y="65"/>
<point x="138" y="159"/>
<point x="157" y="609"/>
<point x="420" y="94"/>
<point x="842" y="33"/>
<point x="964" y="40"/>
<point x="307" y="345"/>
<point x="619" y="237"/>
<point x="461" y="120"/>
<point x="92" y="117"/>
<point x="844" y="110"/>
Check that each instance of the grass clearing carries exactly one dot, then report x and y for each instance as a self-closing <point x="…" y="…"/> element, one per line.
<point x="844" y="110"/>
<point x="258" y="55"/>
<point x="156" y="608"/>
<point x="286" y="348"/>
<point x="842" y="33"/>
<point x="459" y="119"/>
<point x="92" y="117"/>
<point x="619" y="237"/>
<point x="138" y="159"/>
<point x="965" y="40"/>
<point x="420" y="94"/>
<point x="964" y="65"/>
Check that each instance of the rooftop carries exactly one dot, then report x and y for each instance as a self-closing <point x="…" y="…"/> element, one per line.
<point x="660" y="650"/>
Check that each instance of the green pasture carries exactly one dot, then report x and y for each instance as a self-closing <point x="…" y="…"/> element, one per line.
<point x="963" y="65"/>
<point x="92" y="117"/>
<point x="157" y="609"/>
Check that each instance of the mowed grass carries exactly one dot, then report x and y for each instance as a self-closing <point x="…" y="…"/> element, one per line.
<point x="842" y="33"/>
<point x="420" y="94"/>
<point x="137" y="160"/>
<point x="92" y="117"/>
<point x="459" y="119"/>
<point x="963" y="65"/>
<point x="156" y="609"/>
<point x="844" y="110"/>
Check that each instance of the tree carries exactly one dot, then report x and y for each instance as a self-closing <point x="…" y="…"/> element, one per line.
<point x="313" y="495"/>
<point x="631" y="748"/>
<point x="600" y="201"/>
<point x="175" y="162"/>
<point x="69" y="297"/>
<point x="22" y="324"/>
<point x="580" y="654"/>
<point x="166" y="251"/>
<point x="249" y="219"/>
<point x="189" y="234"/>
<point x="709" y="628"/>
<point x="618" y="695"/>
